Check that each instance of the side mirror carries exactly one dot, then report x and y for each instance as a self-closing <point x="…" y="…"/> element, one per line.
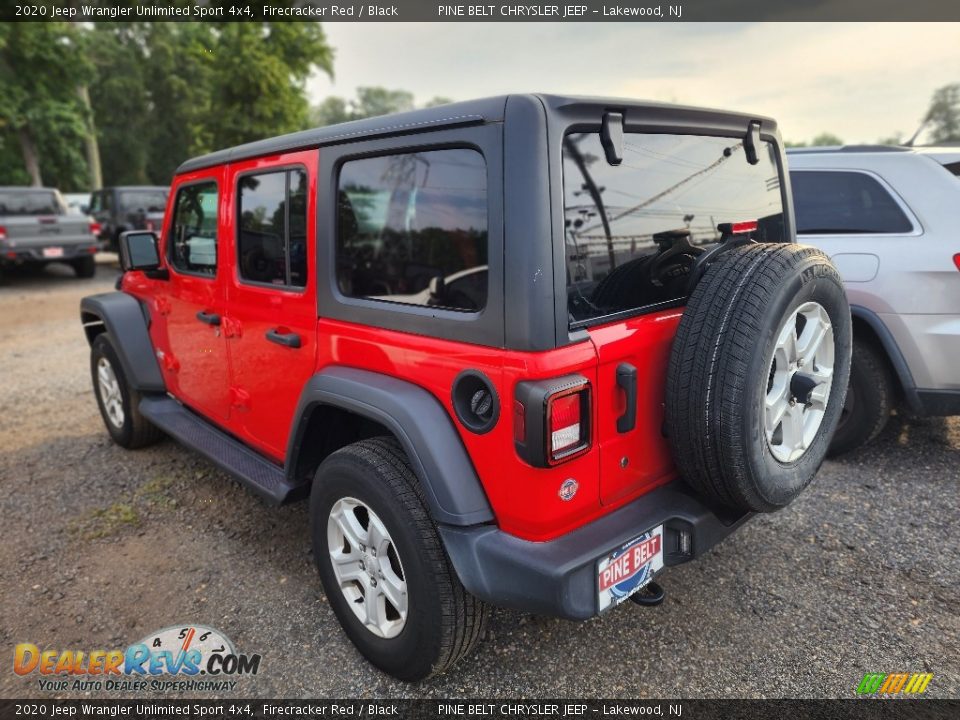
<point x="437" y="288"/>
<point x="139" y="250"/>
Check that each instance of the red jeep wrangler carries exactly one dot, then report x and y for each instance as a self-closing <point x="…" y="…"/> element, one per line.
<point x="523" y="351"/>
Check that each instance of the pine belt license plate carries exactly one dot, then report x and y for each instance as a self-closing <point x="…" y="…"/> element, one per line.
<point x="53" y="252"/>
<point x="623" y="572"/>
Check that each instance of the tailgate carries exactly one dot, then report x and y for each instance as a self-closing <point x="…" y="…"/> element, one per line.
<point x="47" y="230"/>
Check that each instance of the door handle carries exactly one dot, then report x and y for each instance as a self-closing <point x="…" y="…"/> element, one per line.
<point x="627" y="381"/>
<point x="208" y="318"/>
<point x="290" y="340"/>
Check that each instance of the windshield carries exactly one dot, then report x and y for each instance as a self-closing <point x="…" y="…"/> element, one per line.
<point x="633" y="231"/>
<point x="29" y="202"/>
<point x="146" y="200"/>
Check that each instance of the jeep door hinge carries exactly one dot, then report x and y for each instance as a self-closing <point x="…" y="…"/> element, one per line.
<point x="231" y="328"/>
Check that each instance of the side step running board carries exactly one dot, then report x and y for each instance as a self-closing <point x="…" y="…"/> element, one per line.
<point x="256" y="472"/>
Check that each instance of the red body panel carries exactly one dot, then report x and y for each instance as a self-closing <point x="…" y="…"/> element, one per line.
<point x="250" y="386"/>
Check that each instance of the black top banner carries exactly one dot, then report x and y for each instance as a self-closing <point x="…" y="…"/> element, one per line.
<point x="481" y="11"/>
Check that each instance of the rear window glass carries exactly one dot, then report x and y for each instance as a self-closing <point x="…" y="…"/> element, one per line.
<point x="146" y="200"/>
<point x="633" y="231"/>
<point x="412" y="229"/>
<point x="844" y="203"/>
<point x="273" y="228"/>
<point x="29" y="203"/>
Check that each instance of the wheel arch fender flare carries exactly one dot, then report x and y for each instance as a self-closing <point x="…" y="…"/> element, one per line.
<point x="420" y="423"/>
<point x="890" y="348"/>
<point x="128" y="324"/>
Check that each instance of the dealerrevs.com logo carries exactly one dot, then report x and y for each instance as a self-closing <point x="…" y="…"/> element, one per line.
<point x="889" y="684"/>
<point x="185" y="658"/>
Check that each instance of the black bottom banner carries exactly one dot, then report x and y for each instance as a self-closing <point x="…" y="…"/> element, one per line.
<point x="866" y="709"/>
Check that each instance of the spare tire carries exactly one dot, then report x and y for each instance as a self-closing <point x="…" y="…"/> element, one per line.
<point x="758" y="374"/>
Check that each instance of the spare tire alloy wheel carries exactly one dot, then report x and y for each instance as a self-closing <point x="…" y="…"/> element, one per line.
<point x="801" y="376"/>
<point x="758" y="375"/>
<point x="367" y="567"/>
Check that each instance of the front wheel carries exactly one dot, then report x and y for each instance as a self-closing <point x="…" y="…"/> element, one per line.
<point x="118" y="401"/>
<point x="383" y="566"/>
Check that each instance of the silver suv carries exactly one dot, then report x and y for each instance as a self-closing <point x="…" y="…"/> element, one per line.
<point x="889" y="217"/>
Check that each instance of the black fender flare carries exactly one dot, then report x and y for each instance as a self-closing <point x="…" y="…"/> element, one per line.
<point x="126" y="321"/>
<point x="420" y="423"/>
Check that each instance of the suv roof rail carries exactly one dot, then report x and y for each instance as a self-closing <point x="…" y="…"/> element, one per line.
<point x="850" y="149"/>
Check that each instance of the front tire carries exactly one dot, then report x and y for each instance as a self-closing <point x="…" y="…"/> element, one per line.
<point x="868" y="403"/>
<point x="383" y="566"/>
<point x="118" y="401"/>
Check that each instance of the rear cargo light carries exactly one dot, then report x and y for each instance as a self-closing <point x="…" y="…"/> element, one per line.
<point x="740" y="228"/>
<point x="95" y="229"/>
<point x="552" y="420"/>
<point x="956" y="258"/>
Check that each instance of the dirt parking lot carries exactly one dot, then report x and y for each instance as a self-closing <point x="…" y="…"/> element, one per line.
<point x="103" y="546"/>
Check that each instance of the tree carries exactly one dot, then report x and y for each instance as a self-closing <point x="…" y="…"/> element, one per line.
<point x="943" y="116"/>
<point x="369" y="102"/>
<point x="42" y="65"/>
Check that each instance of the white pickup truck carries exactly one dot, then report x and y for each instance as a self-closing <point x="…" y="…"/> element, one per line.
<point x="36" y="229"/>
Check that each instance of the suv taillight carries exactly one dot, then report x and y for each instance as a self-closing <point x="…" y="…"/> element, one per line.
<point x="956" y="258"/>
<point x="551" y="420"/>
<point x="95" y="229"/>
<point x="3" y="233"/>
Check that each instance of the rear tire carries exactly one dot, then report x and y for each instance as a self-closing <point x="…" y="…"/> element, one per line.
<point x="437" y="622"/>
<point x="118" y="401"/>
<point x="749" y="421"/>
<point x="869" y="400"/>
<point x="85" y="267"/>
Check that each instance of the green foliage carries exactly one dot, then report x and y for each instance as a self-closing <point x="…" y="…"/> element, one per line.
<point x="41" y="67"/>
<point x="369" y="102"/>
<point x="824" y="139"/>
<point x="943" y="116"/>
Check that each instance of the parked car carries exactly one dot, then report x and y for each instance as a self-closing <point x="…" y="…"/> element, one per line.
<point x="129" y="207"/>
<point x="638" y="359"/>
<point x="36" y="229"/>
<point x="887" y="216"/>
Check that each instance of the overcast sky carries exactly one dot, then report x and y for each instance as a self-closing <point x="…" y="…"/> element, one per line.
<point x="859" y="81"/>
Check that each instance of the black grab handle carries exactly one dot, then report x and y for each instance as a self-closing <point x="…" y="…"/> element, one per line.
<point x="208" y="318"/>
<point x="291" y="340"/>
<point x="627" y="381"/>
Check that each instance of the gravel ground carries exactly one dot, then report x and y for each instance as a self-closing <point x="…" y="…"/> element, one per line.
<point x="105" y="546"/>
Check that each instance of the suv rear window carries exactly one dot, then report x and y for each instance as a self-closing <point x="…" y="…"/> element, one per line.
<point x="30" y="202"/>
<point x="844" y="203"/>
<point x="633" y="230"/>
<point x="146" y="200"/>
<point x="412" y="229"/>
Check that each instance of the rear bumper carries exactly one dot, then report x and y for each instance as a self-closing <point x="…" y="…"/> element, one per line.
<point x="559" y="577"/>
<point x="72" y="249"/>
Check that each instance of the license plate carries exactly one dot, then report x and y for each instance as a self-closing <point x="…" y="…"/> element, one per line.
<point x="53" y="252"/>
<point x="623" y="572"/>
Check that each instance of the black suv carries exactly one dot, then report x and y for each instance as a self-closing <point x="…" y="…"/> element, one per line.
<point x="127" y="207"/>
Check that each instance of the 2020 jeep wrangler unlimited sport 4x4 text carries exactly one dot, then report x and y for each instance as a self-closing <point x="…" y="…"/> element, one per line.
<point x="524" y="351"/>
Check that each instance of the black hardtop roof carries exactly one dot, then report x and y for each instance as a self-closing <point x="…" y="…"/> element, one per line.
<point x="468" y="112"/>
<point x="164" y="188"/>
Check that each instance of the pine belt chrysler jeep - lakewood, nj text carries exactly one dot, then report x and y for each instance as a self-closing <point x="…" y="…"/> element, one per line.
<point x="525" y="351"/>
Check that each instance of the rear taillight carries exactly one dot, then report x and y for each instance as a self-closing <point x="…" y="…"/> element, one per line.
<point x="95" y="229"/>
<point x="3" y="233"/>
<point x="956" y="258"/>
<point x="551" y="420"/>
<point x="148" y="225"/>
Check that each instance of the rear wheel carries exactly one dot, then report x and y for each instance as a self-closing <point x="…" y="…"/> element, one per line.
<point x="868" y="403"/>
<point x="383" y="566"/>
<point x="119" y="402"/>
<point x="758" y="373"/>
<point x="85" y="267"/>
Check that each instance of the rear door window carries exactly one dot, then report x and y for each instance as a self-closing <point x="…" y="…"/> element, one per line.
<point x="412" y="229"/>
<point x="845" y="203"/>
<point x="633" y="231"/>
<point x="193" y="232"/>
<point x="272" y="244"/>
<point x="30" y="202"/>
